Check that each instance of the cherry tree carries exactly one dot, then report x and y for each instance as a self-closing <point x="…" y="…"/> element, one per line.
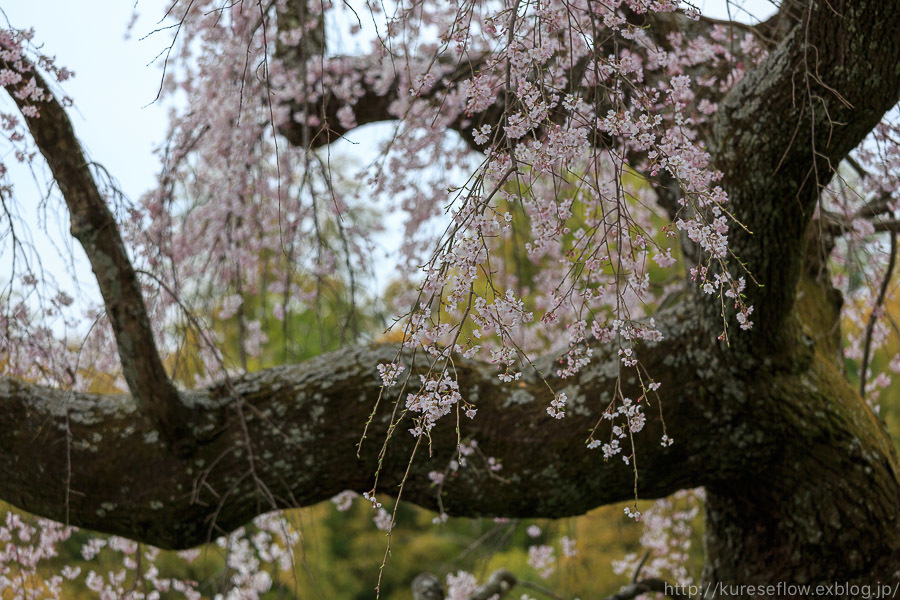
<point x="640" y="245"/>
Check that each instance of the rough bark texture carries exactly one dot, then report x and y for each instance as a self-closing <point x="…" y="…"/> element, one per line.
<point x="779" y="133"/>
<point x="303" y="424"/>
<point x="803" y="482"/>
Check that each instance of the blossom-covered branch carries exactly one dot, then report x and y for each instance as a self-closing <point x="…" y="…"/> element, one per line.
<point x="324" y="108"/>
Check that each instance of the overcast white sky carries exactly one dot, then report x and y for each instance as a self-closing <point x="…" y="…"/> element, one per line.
<point x="115" y="84"/>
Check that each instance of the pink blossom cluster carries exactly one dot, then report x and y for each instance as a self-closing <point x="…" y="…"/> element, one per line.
<point x="436" y="397"/>
<point x="27" y="545"/>
<point x="542" y="560"/>
<point x="668" y="532"/>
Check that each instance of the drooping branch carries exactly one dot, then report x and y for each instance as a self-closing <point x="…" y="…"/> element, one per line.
<point x="830" y="78"/>
<point x="873" y="316"/>
<point x="93" y="225"/>
<point x="296" y="444"/>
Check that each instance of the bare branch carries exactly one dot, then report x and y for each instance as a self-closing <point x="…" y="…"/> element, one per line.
<point x="879" y="302"/>
<point x="94" y="226"/>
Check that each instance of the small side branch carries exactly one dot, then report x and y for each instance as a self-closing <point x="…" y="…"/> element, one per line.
<point x="870" y="326"/>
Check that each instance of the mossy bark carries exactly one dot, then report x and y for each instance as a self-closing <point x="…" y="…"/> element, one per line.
<point x="825" y="506"/>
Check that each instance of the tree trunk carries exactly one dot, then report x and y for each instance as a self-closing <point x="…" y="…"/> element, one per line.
<point x="818" y="501"/>
<point x="825" y="509"/>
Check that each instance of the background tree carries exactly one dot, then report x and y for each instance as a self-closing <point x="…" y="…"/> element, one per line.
<point x="761" y="160"/>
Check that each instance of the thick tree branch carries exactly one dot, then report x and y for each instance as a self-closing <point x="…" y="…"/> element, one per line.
<point x="782" y="130"/>
<point x="374" y="101"/>
<point x="94" y="226"/>
<point x="296" y="443"/>
<point x="302" y="425"/>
